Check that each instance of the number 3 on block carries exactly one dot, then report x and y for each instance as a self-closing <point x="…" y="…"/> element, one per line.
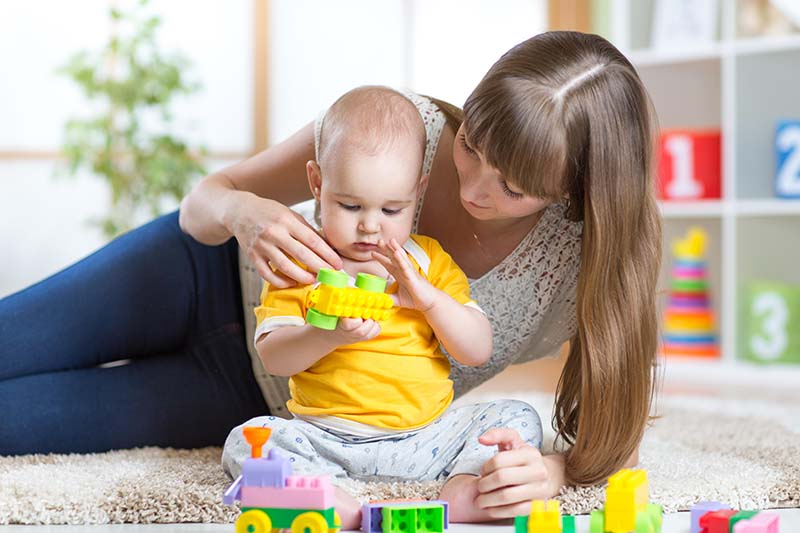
<point x="787" y="147"/>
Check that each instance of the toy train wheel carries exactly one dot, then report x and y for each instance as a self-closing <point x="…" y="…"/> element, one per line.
<point x="310" y="522"/>
<point x="253" y="521"/>
<point x="337" y="523"/>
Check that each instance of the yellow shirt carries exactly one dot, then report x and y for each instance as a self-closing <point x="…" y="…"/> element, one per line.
<point x="396" y="381"/>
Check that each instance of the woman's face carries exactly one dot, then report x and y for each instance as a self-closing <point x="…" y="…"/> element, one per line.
<point x="484" y="192"/>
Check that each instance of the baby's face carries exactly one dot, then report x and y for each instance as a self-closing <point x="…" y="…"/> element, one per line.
<point x="367" y="198"/>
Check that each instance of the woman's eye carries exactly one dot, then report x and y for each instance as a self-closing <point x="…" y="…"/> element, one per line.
<point x="349" y="207"/>
<point x="467" y="148"/>
<point x="509" y="192"/>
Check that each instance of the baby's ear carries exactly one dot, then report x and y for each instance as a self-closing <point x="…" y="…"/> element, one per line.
<point x="314" y="178"/>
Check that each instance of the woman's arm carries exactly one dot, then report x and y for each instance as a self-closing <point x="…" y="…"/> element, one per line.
<point x="248" y="201"/>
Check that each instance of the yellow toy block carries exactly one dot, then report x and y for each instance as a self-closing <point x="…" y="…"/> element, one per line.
<point x="333" y="299"/>
<point x="350" y="302"/>
<point x="626" y="495"/>
<point x="545" y="517"/>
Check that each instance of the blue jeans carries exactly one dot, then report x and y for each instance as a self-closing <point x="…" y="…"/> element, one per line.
<point x="155" y="297"/>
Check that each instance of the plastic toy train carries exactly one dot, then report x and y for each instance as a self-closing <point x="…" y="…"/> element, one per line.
<point x="272" y="498"/>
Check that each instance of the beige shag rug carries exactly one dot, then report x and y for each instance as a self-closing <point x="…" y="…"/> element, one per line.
<point x="746" y="453"/>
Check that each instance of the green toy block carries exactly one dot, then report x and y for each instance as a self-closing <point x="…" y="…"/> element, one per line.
<point x="283" y="518"/>
<point x="568" y="524"/>
<point x="370" y="283"/>
<point x="521" y="524"/>
<point x="597" y="522"/>
<point x="420" y="519"/>
<point x="772" y="323"/>
<point x="321" y="320"/>
<point x="334" y="278"/>
<point x="741" y="515"/>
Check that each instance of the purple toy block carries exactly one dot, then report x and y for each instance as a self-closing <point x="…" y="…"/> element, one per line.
<point x="701" y="508"/>
<point x="372" y="519"/>
<point x="760" y="523"/>
<point x="271" y="472"/>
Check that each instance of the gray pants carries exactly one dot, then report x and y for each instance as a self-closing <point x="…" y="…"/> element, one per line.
<point x="444" y="448"/>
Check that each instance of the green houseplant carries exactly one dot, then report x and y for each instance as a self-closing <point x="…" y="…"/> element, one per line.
<point x="128" y="142"/>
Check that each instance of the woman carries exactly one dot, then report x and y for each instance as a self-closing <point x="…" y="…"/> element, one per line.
<point x="543" y="195"/>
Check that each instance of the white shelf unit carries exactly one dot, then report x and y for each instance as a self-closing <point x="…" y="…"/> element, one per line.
<point x="743" y="87"/>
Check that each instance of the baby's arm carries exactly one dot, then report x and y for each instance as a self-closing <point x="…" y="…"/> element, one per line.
<point x="464" y="331"/>
<point x="291" y="349"/>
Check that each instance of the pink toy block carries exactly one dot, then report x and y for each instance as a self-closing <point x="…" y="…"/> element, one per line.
<point x="760" y="523"/>
<point x="301" y="492"/>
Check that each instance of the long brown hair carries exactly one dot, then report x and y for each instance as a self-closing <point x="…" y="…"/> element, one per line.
<point x="565" y="114"/>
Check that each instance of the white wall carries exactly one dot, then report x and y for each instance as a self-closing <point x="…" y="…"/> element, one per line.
<point x="318" y="50"/>
<point x="42" y="219"/>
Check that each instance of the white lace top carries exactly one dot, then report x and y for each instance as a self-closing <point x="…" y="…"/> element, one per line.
<point x="529" y="297"/>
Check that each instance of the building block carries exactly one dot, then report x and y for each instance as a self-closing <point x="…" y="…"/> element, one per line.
<point x="738" y="517"/>
<point x="545" y="517"/>
<point x="286" y="519"/>
<point x="627" y="494"/>
<point x="690" y="165"/>
<point x="760" y="523"/>
<point x="627" y="506"/>
<point x="272" y="472"/>
<point x="300" y="492"/>
<point x="405" y="516"/>
<point x="717" y="521"/>
<point x="333" y="299"/>
<point x="274" y="499"/>
<point x="701" y="508"/>
<point x="773" y="322"/>
<point x="787" y="157"/>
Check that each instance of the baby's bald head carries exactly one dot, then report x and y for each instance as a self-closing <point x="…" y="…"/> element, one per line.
<point x="368" y="121"/>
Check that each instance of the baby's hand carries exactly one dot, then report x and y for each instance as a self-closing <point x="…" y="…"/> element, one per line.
<point x="414" y="292"/>
<point x="350" y="330"/>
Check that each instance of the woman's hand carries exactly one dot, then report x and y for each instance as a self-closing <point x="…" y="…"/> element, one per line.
<point x="518" y="474"/>
<point x="414" y="291"/>
<point x="270" y="233"/>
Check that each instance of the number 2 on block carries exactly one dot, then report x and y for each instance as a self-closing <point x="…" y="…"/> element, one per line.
<point x="787" y="183"/>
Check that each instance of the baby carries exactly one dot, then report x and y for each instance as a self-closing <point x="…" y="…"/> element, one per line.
<point x="372" y="399"/>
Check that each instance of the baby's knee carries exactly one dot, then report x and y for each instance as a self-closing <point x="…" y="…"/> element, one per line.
<point x="522" y="417"/>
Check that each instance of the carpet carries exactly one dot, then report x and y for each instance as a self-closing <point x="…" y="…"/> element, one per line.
<point x="745" y="452"/>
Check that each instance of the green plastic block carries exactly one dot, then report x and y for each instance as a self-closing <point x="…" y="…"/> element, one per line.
<point x="421" y="519"/>
<point x="283" y="518"/>
<point x="741" y="515"/>
<point x="321" y="320"/>
<point x="771" y="323"/>
<point x="597" y="521"/>
<point x="334" y="278"/>
<point x="567" y="524"/>
<point x="521" y="524"/>
<point x="370" y="283"/>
